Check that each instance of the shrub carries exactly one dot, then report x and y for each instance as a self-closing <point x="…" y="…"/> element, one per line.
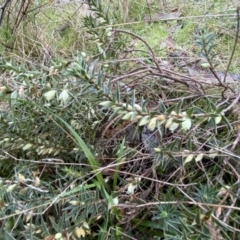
<point x="113" y="146"/>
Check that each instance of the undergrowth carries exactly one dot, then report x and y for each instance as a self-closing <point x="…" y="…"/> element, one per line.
<point x="106" y="133"/>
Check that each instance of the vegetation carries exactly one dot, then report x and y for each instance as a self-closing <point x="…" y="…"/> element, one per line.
<point x="119" y="120"/>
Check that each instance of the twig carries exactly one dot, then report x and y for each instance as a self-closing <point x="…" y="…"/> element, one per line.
<point x="3" y="8"/>
<point x="141" y="39"/>
<point x="232" y="104"/>
<point x="128" y="75"/>
<point x="235" y="44"/>
<point x="236" y="141"/>
<point x="226" y="215"/>
<point x="176" y="202"/>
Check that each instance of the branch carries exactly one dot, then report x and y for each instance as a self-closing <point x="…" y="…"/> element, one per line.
<point x="235" y="44"/>
<point x="3" y="8"/>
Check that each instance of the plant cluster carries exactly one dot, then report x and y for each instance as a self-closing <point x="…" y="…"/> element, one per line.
<point x="113" y="146"/>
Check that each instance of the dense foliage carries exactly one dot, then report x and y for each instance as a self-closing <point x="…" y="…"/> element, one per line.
<point x="112" y="141"/>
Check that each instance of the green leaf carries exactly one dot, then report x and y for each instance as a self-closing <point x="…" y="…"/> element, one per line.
<point x="169" y="123"/>
<point x="118" y="94"/>
<point x="199" y="157"/>
<point x="186" y="125"/>
<point x="144" y="105"/>
<point x="198" y="219"/>
<point x="190" y="144"/>
<point x="198" y="110"/>
<point x="224" y="119"/>
<point x="133" y="116"/>
<point x="220" y="110"/>
<point x="211" y="123"/>
<point x="209" y="39"/>
<point x="152" y="124"/>
<point x="173" y="126"/>
<point x="179" y="106"/>
<point x="205" y="65"/>
<point x="106" y="90"/>
<point x="161" y="107"/>
<point x="144" y="120"/>
<point x="169" y="110"/>
<point x="128" y="116"/>
<point x="8" y="236"/>
<point x="189" y="158"/>
<point x="50" y="95"/>
<point x="106" y="104"/>
<point x="179" y="144"/>
<point x="211" y="106"/>
<point x="190" y="112"/>
<point x="133" y="98"/>
<point x="218" y="119"/>
<point x="209" y="48"/>
<point x="137" y="107"/>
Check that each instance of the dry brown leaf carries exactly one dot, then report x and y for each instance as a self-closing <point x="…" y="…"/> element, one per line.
<point x="218" y="212"/>
<point x="49" y="237"/>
